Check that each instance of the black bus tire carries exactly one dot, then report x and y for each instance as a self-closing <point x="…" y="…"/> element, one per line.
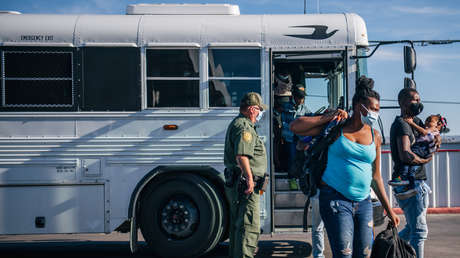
<point x="221" y="214"/>
<point x="187" y="190"/>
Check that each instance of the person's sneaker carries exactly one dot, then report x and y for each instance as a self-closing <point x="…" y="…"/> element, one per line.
<point x="406" y="194"/>
<point x="397" y="182"/>
<point x="293" y="184"/>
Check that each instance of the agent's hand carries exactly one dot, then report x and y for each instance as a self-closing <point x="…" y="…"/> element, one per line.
<point x="394" y="218"/>
<point x="250" y="189"/>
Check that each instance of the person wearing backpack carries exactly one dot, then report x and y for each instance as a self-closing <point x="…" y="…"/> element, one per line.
<point x="353" y="162"/>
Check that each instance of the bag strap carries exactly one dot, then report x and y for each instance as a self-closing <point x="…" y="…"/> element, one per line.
<point x="398" y="243"/>
<point x="305" y="214"/>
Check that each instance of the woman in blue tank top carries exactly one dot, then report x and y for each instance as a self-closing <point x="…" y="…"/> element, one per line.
<point x="353" y="162"/>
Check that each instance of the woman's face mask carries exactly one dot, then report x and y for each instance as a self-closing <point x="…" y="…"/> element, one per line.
<point x="370" y="118"/>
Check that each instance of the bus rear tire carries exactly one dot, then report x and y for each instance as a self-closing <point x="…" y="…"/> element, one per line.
<point x="181" y="216"/>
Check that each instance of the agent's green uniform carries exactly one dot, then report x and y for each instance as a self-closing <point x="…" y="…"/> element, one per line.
<point x="242" y="139"/>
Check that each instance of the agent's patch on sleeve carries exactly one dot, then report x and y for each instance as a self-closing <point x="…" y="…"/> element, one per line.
<point x="247" y="136"/>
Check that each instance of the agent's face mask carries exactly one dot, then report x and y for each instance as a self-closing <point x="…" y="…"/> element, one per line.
<point x="415" y="108"/>
<point x="260" y="115"/>
<point x="370" y="118"/>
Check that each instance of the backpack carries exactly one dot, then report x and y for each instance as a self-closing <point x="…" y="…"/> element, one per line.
<point x="316" y="162"/>
<point x="388" y="244"/>
<point x="316" y="157"/>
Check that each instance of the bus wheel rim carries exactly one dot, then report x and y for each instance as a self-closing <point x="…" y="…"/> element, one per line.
<point x="179" y="218"/>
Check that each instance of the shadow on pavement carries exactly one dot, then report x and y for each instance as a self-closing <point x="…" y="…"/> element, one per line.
<point x="284" y="248"/>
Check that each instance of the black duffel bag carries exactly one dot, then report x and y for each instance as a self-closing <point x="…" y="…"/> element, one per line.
<point x="388" y="244"/>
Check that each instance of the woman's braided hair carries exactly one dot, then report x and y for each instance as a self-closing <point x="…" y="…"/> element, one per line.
<point x="364" y="91"/>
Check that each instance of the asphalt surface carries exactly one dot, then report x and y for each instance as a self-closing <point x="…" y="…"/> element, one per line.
<point x="443" y="241"/>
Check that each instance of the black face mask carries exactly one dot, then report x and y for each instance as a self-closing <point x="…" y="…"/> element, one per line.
<point x="415" y="108"/>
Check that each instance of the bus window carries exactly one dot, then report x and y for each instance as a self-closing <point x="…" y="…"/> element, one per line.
<point x="173" y="78"/>
<point x="233" y="72"/>
<point x="37" y="79"/>
<point x="362" y="63"/>
<point x="111" y="79"/>
<point x="324" y="91"/>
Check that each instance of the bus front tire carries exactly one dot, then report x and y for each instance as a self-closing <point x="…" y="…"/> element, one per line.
<point x="181" y="216"/>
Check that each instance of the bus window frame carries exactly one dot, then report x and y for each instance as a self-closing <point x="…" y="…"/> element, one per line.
<point x="83" y="105"/>
<point x="145" y="77"/>
<point x="75" y="80"/>
<point x="361" y="63"/>
<point x="223" y="46"/>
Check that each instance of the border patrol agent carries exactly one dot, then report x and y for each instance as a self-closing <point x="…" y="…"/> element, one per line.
<point x="245" y="159"/>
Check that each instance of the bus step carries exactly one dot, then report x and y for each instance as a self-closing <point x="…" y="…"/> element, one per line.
<point x="282" y="184"/>
<point x="290" y="218"/>
<point x="290" y="199"/>
<point x="281" y="174"/>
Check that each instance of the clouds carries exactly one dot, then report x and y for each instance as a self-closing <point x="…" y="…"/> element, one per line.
<point x="94" y="6"/>
<point x="427" y="10"/>
<point x="387" y="55"/>
<point x="425" y="58"/>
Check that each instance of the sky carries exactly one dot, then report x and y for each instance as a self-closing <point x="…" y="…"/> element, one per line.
<point x="438" y="66"/>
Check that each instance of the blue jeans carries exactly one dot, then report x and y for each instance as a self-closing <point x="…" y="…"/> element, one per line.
<point x="291" y="150"/>
<point x="348" y="223"/>
<point x="317" y="228"/>
<point x="408" y="173"/>
<point x="414" y="208"/>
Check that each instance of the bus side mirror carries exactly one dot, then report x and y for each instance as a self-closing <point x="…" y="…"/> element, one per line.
<point x="410" y="61"/>
<point x="409" y="83"/>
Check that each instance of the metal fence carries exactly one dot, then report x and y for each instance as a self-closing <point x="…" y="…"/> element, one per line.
<point x="442" y="172"/>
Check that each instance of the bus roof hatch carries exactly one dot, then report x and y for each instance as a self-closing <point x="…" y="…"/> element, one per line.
<point x="182" y="9"/>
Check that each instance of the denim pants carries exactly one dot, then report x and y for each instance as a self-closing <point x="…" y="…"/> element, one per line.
<point x="348" y="223"/>
<point x="415" y="208"/>
<point x="317" y="228"/>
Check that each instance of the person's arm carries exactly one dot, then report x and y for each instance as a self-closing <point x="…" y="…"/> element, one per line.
<point x="377" y="182"/>
<point x="420" y="129"/>
<point x="437" y="141"/>
<point x="405" y="153"/>
<point x="312" y="125"/>
<point x="243" y="163"/>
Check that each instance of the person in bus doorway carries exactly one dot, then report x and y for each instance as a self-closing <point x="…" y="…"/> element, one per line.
<point x="353" y="163"/>
<point x="245" y="160"/>
<point x="293" y="147"/>
<point x="282" y="91"/>
<point x="402" y="137"/>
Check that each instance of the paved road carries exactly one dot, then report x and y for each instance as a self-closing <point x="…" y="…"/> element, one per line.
<point x="443" y="241"/>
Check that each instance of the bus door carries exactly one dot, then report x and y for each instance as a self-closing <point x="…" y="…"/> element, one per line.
<point x="321" y="76"/>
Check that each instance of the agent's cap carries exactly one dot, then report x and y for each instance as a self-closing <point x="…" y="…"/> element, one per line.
<point x="253" y="99"/>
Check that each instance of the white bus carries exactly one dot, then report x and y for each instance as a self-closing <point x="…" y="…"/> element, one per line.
<point x="117" y="122"/>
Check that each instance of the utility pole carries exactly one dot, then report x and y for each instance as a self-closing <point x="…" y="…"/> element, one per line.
<point x="304" y="6"/>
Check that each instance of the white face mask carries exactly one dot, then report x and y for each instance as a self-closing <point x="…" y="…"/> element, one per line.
<point x="371" y="117"/>
<point x="260" y="115"/>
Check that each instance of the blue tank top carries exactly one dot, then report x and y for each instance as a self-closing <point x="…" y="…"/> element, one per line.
<point x="349" y="167"/>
